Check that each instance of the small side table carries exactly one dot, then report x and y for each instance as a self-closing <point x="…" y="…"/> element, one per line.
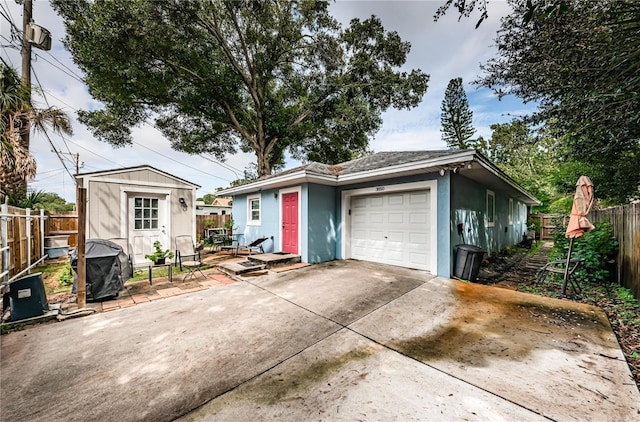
<point x="166" y="264"/>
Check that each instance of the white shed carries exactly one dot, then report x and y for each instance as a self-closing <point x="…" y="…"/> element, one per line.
<point x="141" y="204"/>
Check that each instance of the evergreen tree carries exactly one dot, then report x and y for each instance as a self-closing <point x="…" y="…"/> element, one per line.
<point x="456" y="118"/>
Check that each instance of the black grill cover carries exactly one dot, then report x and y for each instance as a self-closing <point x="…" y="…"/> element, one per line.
<point x="108" y="267"/>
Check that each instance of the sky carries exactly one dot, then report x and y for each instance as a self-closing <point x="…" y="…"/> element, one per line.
<point x="445" y="49"/>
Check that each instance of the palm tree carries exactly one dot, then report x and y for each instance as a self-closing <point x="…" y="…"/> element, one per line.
<point x="17" y="116"/>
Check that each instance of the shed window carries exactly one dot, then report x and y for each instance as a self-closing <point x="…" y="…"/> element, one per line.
<point x="145" y="213"/>
<point x="253" y="209"/>
<point x="491" y="208"/>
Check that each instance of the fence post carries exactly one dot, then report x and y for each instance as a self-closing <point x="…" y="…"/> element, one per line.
<point x="41" y="233"/>
<point x="4" y="229"/>
<point x="27" y="228"/>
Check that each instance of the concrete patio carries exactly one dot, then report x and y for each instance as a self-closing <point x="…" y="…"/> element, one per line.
<point x="342" y="340"/>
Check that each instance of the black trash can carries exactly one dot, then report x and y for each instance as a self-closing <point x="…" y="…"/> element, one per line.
<point x="468" y="260"/>
<point x="27" y="297"/>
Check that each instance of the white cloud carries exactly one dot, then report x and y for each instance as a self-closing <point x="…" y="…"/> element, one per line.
<point x="445" y="49"/>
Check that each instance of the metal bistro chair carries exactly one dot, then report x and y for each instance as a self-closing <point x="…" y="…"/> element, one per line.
<point x="558" y="267"/>
<point x="188" y="256"/>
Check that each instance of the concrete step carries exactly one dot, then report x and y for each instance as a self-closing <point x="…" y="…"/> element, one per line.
<point x="274" y="260"/>
<point x="241" y="267"/>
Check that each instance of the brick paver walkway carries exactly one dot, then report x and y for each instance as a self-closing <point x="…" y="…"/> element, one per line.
<point x="141" y="292"/>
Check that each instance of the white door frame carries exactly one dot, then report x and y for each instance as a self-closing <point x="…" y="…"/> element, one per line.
<point x="432" y="185"/>
<point x="128" y="192"/>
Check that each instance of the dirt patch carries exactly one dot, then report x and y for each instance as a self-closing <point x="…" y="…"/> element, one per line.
<point x="283" y="386"/>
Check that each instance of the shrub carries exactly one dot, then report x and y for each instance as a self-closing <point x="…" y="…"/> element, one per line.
<point x="598" y="248"/>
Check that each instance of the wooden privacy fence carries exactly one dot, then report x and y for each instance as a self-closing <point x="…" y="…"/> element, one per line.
<point x="22" y="233"/>
<point x="216" y="220"/>
<point x="21" y="240"/>
<point x="547" y="223"/>
<point x="625" y="221"/>
<point x="60" y="223"/>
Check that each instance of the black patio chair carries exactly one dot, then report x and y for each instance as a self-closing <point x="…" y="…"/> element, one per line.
<point x="255" y="246"/>
<point x="559" y="266"/>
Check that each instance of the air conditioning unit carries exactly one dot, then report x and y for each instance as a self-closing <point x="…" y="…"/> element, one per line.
<point x="38" y="36"/>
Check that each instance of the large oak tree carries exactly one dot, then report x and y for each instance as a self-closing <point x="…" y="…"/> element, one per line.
<point x="217" y="75"/>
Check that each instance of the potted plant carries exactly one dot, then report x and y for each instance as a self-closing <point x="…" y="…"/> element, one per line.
<point x="229" y="226"/>
<point x="159" y="255"/>
<point x="209" y="224"/>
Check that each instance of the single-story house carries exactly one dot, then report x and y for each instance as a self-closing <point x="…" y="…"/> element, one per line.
<point x="402" y="208"/>
<point x="220" y="206"/>
<point x="141" y="204"/>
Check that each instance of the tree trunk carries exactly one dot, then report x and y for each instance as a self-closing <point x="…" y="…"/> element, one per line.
<point x="264" y="168"/>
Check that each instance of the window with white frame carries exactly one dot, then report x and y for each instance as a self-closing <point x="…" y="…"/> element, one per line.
<point x="511" y="219"/>
<point x="491" y="208"/>
<point x="520" y="214"/>
<point x="145" y="213"/>
<point x="253" y="210"/>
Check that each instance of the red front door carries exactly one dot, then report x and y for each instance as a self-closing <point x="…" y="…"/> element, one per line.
<point x="290" y="222"/>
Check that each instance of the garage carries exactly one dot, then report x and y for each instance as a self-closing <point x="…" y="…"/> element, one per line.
<point x="393" y="228"/>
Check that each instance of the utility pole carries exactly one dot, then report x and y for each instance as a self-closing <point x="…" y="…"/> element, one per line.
<point x="27" y="14"/>
<point x="25" y="79"/>
<point x="76" y="156"/>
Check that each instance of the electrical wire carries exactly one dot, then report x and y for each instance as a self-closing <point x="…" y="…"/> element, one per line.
<point x="65" y="66"/>
<point x="71" y="75"/>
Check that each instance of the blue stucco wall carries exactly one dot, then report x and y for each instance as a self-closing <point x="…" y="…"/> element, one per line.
<point x="468" y="206"/>
<point x="268" y="219"/>
<point x="444" y="238"/>
<point x="322" y="224"/>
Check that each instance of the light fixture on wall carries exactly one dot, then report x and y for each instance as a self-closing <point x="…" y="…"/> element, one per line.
<point x="441" y="172"/>
<point x="275" y="195"/>
<point x="183" y="203"/>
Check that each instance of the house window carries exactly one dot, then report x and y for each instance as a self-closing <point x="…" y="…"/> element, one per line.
<point x="253" y="209"/>
<point x="520" y="214"/>
<point x="491" y="208"/>
<point x="145" y="213"/>
<point x="511" y="219"/>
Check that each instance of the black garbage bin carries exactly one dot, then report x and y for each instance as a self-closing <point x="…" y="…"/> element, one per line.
<point x="468" y="260"/>
<point x="27" y="297"/>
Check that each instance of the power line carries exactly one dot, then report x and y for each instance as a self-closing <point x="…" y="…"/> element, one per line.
<point x="73" y="76"/>
<point x="64" y="65"/>
<point x="182" y="164"/>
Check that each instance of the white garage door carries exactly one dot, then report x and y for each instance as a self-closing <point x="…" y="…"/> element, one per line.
<point x="392" y="228"/>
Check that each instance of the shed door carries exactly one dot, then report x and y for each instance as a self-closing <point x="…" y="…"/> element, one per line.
<point x="147" y="224"/>
<point x="392" y="228"/>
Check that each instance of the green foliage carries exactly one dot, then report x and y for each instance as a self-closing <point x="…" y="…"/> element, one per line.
<point x="457" y="117"/>
<point x="585" y="80"/>
<point x="223" y="75"/>
<point x="208" y="198"/>
<point x="66" y="276"/>
<point x="561" y="205"/>
<point x="159" y="253"/>
<point x="40" y="200"/>
<point x="598" y="248"/>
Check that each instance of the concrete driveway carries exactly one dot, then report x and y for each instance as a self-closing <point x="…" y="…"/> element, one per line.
<point x="336" y="341"/>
